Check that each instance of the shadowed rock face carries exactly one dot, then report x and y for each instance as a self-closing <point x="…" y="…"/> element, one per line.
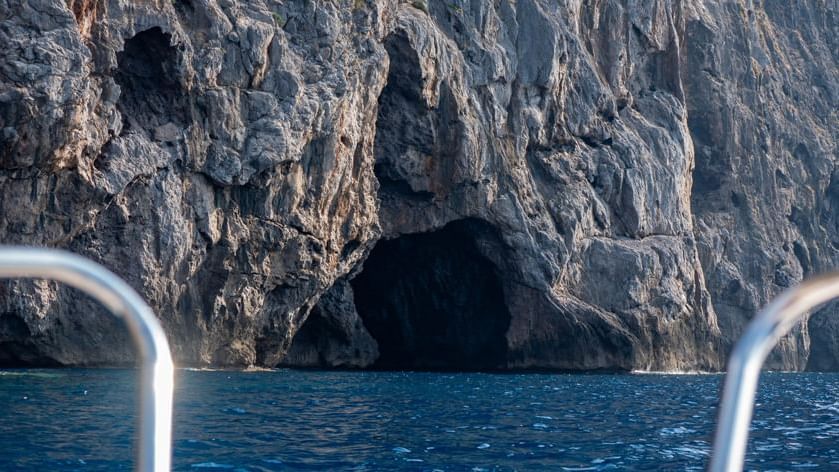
<point x="150" y="93"/>
<point x="333" y="334"/>
<point x="19" y="348"/>
<point x="529" y="184"/>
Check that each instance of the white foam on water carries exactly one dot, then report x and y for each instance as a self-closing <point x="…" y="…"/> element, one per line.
<point x="678" y="430"/>
<point x="212" y="465"/>
<point x="42" y="375"/>
<point x="251" y="368"/>
<point x="255" y="368"/>
<point x="674" y="372"/>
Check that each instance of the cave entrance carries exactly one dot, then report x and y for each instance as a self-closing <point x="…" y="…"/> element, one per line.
<point x="150" y="91"/>
<point x="18" y="347"/>
<point x="433" y="301"/>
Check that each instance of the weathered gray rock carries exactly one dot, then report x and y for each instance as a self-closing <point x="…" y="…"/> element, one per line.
<point x="529" y="184"/>
<point x="210" y="157"/>
<point x="762" y="97"/>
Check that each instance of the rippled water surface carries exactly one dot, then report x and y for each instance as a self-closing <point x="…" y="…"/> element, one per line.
<point x="308" y="420"/>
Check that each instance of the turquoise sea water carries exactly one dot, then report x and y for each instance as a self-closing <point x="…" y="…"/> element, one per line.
<point x="78" y="419"/>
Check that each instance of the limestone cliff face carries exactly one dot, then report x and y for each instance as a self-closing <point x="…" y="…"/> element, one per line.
<point x="460" y="184"/>
<point x="762" y="99"/>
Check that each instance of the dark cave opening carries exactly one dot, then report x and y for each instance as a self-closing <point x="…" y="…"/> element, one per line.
<point x="17" y="348"/>
<point x="151" y="94"/>
<point x="432" y="301"/>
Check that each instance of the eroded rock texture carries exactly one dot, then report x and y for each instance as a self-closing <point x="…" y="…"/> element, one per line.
<point x="382" y="183"/>
<point x="762" y="107"/>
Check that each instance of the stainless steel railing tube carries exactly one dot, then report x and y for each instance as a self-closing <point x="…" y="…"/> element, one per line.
<point x="156" y="370"/>
<point x="747" y="358"/>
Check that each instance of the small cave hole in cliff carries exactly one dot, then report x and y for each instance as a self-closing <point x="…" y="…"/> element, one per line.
<point x="150" y="91"/>
<point x="433" y="301"/>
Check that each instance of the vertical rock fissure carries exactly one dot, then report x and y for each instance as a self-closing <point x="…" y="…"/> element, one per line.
<point x="404" y="131"/>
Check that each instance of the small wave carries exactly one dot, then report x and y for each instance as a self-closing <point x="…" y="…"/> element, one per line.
<point x="691" y="452"/>
<point x="678" y="430"/>
<point x="834" y="407"/>
<point x="212" y="465"/>
<point x="769" y="447"/>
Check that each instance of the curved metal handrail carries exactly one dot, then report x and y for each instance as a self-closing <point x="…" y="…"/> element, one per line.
<point x="746" y="360"/>
<point x="156" y="381"/>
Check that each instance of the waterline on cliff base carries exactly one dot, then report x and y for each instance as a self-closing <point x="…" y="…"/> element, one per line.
<point x="674" y="372"/>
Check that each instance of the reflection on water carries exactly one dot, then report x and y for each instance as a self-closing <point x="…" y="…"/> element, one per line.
<point x="306" y="420"/>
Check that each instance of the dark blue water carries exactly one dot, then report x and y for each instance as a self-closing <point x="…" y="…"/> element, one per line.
<point x="304" y="420"/>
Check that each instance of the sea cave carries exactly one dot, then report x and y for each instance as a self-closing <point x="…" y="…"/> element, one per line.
<point x="433" y="301"/>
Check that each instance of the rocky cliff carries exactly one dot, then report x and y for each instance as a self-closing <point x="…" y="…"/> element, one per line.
<point x="612" y="184"/>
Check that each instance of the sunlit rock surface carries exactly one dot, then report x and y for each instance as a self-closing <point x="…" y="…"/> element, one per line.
<point x="409" y="184"/>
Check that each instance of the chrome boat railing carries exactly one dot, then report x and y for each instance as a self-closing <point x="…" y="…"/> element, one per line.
<point x="747" y="358"/>
<point x="156" y="371"/>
